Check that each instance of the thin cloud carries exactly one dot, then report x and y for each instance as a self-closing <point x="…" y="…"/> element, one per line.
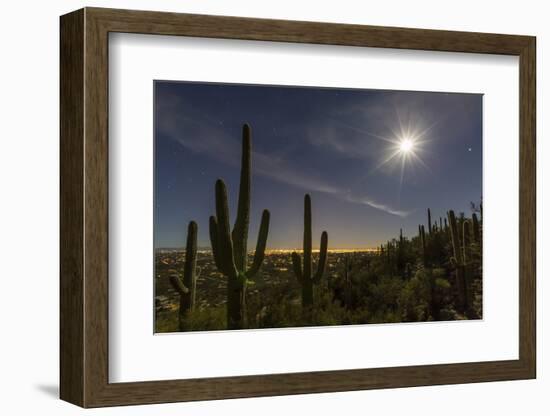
<point x="382" y="207"/>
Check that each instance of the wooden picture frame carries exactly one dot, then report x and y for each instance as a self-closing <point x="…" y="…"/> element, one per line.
<point x="84" y="207"/>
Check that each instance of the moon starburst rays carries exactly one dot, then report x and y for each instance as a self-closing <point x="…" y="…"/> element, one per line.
<point x="406" y="148"/>
<point x="406" y="142"/>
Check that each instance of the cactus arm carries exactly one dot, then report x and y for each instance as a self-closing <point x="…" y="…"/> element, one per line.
<point x="466" y="240"/>
<point x="322" y="265"/>
<point x="454" y="237"/>
<point x="240" y="229"/>
<point x="214" y="241"/>
<point x="475" y="228"/>
<point x="260" y="245"/>
<point x="297" y="266"/>
<point x="225" y="244"/>
<point x="307" y="237"/>
<point x="457" y="262"/>
<point x="178" y="285"/>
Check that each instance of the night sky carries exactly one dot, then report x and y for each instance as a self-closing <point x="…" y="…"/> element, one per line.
<point x="329" y="142"/>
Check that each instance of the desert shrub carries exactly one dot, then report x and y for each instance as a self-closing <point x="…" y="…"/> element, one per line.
<point x="207" y="319"/>
<point x="384" y="295"/>
<point x="166" y="321"/>
<point x="281" y="314"/>
<point x="415" y="297"/>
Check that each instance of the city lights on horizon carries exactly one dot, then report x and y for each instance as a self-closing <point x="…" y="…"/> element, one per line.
<point x="285" y="250"/>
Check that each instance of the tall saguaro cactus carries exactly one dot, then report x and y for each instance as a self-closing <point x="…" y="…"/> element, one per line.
<point x="187" y="288"/>
<point x="466" y="241"/>
<point x="401" y="252"/>
<point x="459" y="262"/>
<point x="476" y="234"/>
<point x="230" y="247"/>
<point x="422" y="235"/>
<point x="304" y="275"/>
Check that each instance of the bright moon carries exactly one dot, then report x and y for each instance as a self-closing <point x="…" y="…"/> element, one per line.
<point x="406" y="145"/>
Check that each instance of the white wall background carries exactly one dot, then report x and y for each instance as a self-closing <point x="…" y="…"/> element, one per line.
<point x="29" y="159"/>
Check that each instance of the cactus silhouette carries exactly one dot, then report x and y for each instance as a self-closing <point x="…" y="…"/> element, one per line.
<point x="429" y="221"/>
<point x="187" y="289"/>
<point x="475" y="229"/>
<point x="466" y="241"/>
<point x="422" y="235"/>
<point x="230" y="248"/>
<point x="458" y="261"/>
<point x="304" y="275"/>
<point x="401" y="252"/>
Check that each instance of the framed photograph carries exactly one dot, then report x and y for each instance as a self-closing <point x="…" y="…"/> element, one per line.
<point x="260" y="207"/>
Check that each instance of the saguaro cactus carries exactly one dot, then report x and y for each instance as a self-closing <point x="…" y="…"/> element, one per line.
<point x="304" y="275"/>
<point x="401" y="252"/>
<point x="466" y="241"/>
<point x="475" y="228"/>
<point x="458" y="262"/>
<point x="230" y="248"/>
<point x="422" y="235"/>
<point x="348" y="283"/>
<point x="187" y="288"/>
<point x="429" y="221"/>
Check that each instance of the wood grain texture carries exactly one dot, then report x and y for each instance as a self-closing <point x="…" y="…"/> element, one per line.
<point x="71" y="100"/>
<point x="84" y="207"/>
<point x="527" y="207"/>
